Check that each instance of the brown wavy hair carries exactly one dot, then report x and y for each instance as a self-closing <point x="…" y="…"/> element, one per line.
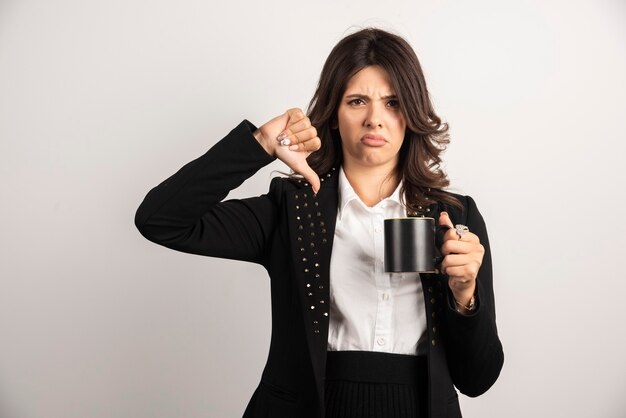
<point x="425" y="137"/>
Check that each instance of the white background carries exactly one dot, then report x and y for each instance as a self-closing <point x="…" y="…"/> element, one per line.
<point x="101" y="101"/>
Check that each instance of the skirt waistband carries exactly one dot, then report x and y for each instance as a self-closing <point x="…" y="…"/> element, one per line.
<point x="374" y="366"/>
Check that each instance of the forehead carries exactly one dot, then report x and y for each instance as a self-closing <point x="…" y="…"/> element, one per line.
<point x="370" y="79"/>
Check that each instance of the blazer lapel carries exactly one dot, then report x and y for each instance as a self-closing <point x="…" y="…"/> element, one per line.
<point x="311" y="221"/>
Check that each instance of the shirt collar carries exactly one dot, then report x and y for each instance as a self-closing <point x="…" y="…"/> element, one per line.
<point x="347" y="194"/>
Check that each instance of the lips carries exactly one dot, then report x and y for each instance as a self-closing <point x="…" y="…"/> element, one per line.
<point x="373" y="140"/>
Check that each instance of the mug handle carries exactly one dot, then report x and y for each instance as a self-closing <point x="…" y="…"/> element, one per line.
<point x="440" y="231"/>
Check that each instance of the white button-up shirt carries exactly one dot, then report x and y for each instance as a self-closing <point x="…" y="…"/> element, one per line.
<point x="371" y="310"/>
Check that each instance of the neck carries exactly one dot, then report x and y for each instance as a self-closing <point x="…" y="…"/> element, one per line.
<point x="371" y="184"/>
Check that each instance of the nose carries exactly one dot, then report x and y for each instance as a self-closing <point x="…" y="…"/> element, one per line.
<point x="373" y="117"/>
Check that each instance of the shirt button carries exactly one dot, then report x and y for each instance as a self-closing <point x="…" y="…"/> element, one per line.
<point x="385" y="296"/>
<point x="380" y="341"/>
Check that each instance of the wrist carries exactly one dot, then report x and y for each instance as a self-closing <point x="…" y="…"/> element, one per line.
<point x="463" y="296"/>
<point x="468" y="307"/>
<point x="263" y="142"/>
<point x="465" y="300"/>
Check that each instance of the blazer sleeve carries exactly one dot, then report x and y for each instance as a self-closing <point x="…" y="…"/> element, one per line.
<point x="185" y="212"/>
<point x="473" y="348"/>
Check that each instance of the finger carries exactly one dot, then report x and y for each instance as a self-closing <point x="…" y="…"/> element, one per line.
<point x="470" y="237"/>
<point x="299" y="125"/>
<point x="295" y="114"/>
<point x="454" y="246"/>
<point x="444" y="219"/>
<point x="301" y="133"/>
<point x="309" y="145"/>
<point x="292" y="129"/>
<point x="456" y="271"/>
<point x="294" y="137"/>
<point x="461" y="274"/>
<point x="450" y="235"/>
<point x="454" y="260"/>
<point x="450" y="263"/>
<point x="461" y="264"/>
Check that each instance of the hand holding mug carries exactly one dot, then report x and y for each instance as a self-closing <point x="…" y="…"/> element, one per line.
<point x="463" y="256"/>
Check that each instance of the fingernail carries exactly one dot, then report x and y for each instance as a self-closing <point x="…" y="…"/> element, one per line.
<point x="444" y="213"/>
<point x="294" y="147"/>
<point x="281" y="135"/>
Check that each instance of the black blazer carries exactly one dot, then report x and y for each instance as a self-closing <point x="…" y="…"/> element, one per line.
<point x="290" y="232"/>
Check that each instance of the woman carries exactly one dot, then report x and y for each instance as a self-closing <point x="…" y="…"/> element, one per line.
<point x="348" y="340"/>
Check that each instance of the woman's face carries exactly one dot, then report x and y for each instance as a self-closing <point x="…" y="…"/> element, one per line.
<point x="370" y="122"/>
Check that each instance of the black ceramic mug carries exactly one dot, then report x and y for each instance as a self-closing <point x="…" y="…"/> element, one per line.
<point x="412" y="244"/>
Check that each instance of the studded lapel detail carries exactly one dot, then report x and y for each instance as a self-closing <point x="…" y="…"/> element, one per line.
<point x="312" y="227"/>
<point x="433" y="291"/>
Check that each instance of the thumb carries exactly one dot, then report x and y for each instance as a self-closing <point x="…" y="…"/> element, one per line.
<point x="444" y="219"/>
<point x="311" y="176"/>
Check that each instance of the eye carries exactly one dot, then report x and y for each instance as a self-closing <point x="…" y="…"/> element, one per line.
<point x="395" y="103"/>
<point x="354" y="100"/>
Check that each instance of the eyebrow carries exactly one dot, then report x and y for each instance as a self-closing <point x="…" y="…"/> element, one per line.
<point x="365" y="96"/>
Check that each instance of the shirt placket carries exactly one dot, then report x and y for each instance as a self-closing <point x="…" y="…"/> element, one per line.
<point x="382" y="335"/>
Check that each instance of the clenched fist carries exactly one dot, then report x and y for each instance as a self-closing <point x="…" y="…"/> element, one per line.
<point x="291" y="138"/>
<point x="462" y="260"/>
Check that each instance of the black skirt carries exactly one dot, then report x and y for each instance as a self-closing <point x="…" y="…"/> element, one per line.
<point x="367" y="384"/>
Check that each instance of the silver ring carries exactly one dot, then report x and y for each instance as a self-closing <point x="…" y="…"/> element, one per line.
<point x="461" y="230"/>
<point x="285" y="142"/>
